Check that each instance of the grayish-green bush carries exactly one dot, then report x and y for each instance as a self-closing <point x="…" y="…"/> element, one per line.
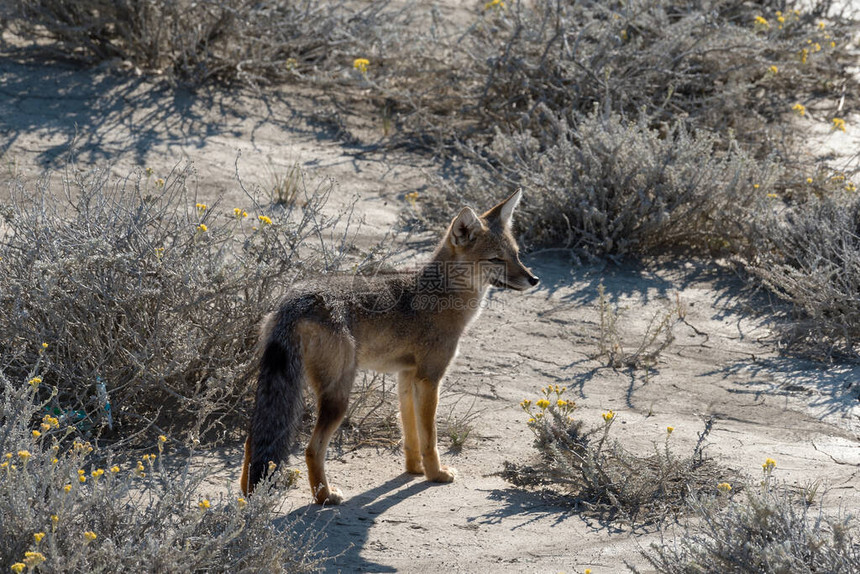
<point x="599" y="474"/>
<point x="768" y="528"/>
<point x="809" y="254"/>
<point x="245" y="41"/>
<point x="610" y="186"/>
<point x="76" y="508"/>
<point x="135" y="285"/>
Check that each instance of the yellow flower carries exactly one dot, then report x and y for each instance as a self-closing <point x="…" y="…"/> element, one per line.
<point x="769" y="464"/>
<point x="799" y="108"/>
<point x="159" y="182"/>
<point x="669" y="430"/>
<point x="34" y="382"/>
<point x="55" y="460"/>
<point x="82" y="479"/>
<point x="609" y="416"/>
<point x="816" y="47"/>
<point x="588" y="571"/>
<point x="561" y="403"/>
<point x="38" y="536"/>
<point x="55" y="518"/>
<point x="774" y="70"/>
<point x="542" y="404"/>
<point x="361" y="64"/>
<point x="242" y="502"/>
<point x="724" y="487"/>
<point x="148" y="172"/>
<point x="202" y="228"/>
<point x="272" y="466"/>
<point x="494" y="4"/>
<point x="98" y="473"/>
<point x="90" y="535"/>
<point x="808" y="180"/>
<point x="204" y="504"/>
<point x="838" y="124"/>
<point x="239" y="212"/>
<point x="201" y="206"/>
<point x="36" y="434"/>
<point x="44" y="345"/>
<point x="291" y="63"/>
<point x="832" y="44"/>
<point x="45" y="427"/>
<point x="772" y="195"/>
<point x="531" y="420"/>
<point x="264" y="219"/>
<point x="761" y="23"/>
<point x="24" y="455"/>
<point x="33" y="559"/>
<point x="803" y="55"/>
<point x="822" y="25"/>
<point x="114" y="469"/>
<point x="755" y="186"/>
<point x="67" y="488"/>
<point x="850" y="187"/>
<point x="18" y="567"/>
<point x="526" y="403"/>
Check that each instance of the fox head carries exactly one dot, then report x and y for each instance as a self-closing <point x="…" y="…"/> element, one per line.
<point x="487" y="242"/>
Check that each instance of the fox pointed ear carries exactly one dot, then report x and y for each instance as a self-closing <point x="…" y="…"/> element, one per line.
<point x="504" y="211"/>
<point x="465" y="226"/>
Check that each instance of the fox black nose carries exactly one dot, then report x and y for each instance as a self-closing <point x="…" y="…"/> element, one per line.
<point x="533" y="280"/>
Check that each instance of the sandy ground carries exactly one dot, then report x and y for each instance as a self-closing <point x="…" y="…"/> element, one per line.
<point x="722" y="363"/>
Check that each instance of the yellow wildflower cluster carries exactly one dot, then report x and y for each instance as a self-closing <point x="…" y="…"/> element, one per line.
<point x="669" y="430"/>
<point x="761" y="24"/>
<point x="768" y="465"/>
<point x="202" y="228"/>
<point x="204" y="504"/>
<point x="608" y="416"/>
<point x="34" y="382"/>
<point x="552" y="400"/>
<point x="838" y="124"/>
<point x="724" y="487"/>
<point x="90" y="535"/>
<point x="497" y="4"/>
<point x="159" y="182"/>
<point x="240" y="213"/>
<point x="264" y="219"/>
<point x="361" y="64"/>
<point x="799" y="108"/>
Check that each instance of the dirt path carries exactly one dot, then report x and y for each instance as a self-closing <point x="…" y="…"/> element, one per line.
<point x="722" y="362"/>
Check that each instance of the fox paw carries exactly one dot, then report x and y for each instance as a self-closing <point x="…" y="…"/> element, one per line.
<point x="328" y="496"/>
<point x="414" y="468"/>
<point x="444" y="474"/>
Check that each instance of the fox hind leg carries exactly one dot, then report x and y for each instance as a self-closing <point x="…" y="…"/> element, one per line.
<point x="332" y="409"/>
<point x="411" y="447"/>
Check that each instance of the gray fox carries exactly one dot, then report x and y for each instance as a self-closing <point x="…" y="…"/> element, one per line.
<point x="404" y="323"/>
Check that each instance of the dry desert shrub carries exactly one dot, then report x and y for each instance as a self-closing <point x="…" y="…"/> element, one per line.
<point x="809" y="254"/>
<point x="139" y="304"/>
<point x="243" y="41"/>
<point x="602" y="476"/>
<point x="77" y="508"/>
<point x="769" y="528"/>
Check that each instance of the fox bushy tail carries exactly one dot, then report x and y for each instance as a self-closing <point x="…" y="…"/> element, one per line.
<point x="277" y="409"/>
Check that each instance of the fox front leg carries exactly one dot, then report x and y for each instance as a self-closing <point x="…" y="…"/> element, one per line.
<point x="426" y="395"/>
